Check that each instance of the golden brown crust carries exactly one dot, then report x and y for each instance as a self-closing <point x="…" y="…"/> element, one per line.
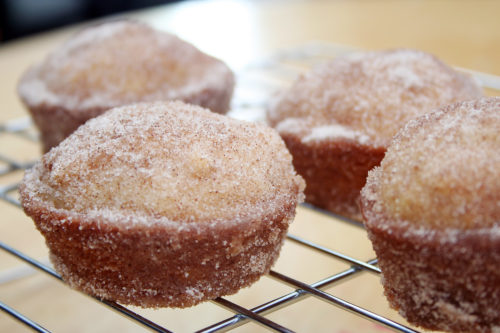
<point x="373" y="93"/>
<point x="455" y="160"/>
<point x="119" y="63"/>
<point x="354" y="105"/>
<point x="163" y="204"/>
<point x="444" y="275"/>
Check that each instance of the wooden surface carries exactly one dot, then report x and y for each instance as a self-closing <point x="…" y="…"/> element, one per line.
<point x="462" y="33"/>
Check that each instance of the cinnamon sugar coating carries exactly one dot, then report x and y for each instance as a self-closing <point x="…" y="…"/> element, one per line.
<point x="119" y="63"/>
<point x="432" y="211"/>
<point x="163" y="204"/>
<point x="351" y="107"/>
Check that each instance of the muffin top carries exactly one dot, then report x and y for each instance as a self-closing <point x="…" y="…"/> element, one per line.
<point x="166" y="161"/>
<point x="442" y="169"/>
<point x="117" y="63"/>
<point x="366" y="97"/>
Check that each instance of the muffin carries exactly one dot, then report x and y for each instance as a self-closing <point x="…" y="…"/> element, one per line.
<point x="114" y="64"/>
<point x="338" y="119"/>
<point x="163" y="204"/>
<point x="432" y="211"/>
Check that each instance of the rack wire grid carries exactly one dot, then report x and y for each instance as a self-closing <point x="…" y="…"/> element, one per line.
<point x="319" y="238"/>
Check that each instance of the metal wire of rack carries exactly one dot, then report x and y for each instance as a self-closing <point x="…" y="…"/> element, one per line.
<point x="255" y="85"/>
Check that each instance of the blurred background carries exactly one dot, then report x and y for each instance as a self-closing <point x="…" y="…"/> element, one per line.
<point x="19" y="18"/>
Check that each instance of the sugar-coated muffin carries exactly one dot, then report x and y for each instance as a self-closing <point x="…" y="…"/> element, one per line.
<point x="114" y="64"/>
<point x="163" y="204"/>
<point x="432" y="211"/>
<point x="338" y="119"/>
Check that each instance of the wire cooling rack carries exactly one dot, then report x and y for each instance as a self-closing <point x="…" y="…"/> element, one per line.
<point x="256" y="83"/>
